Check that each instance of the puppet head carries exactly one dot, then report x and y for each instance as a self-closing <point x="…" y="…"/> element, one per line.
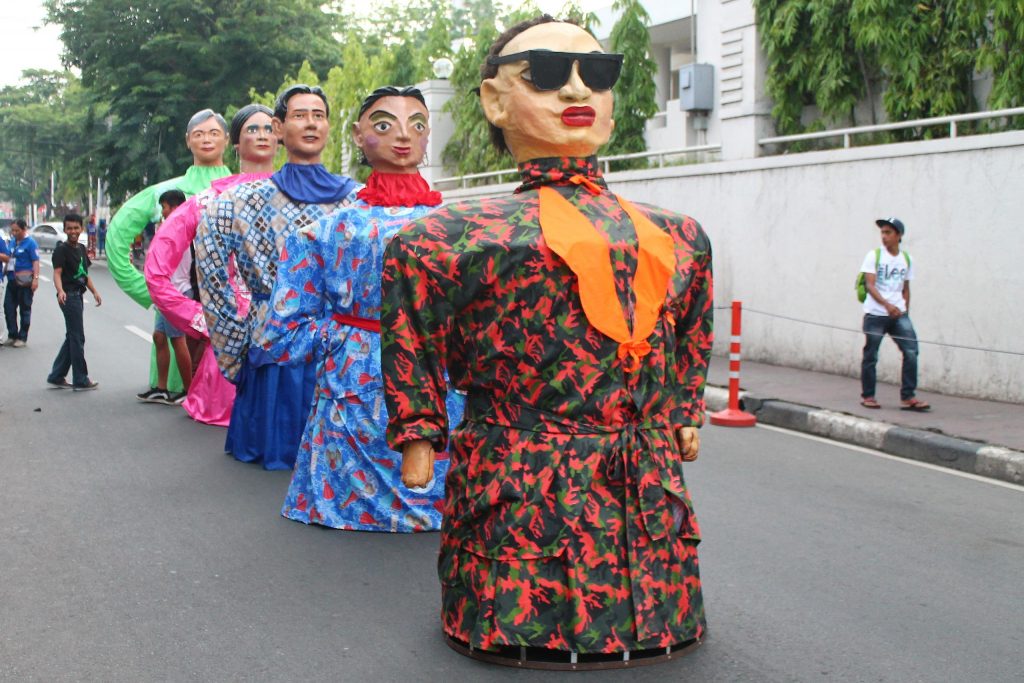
<point x="392" y="129"/>
<point x="546" y="90"/>
<point x="300" y="122"/>
<point x="206" y="136"/>
<point x="252" y="134"/>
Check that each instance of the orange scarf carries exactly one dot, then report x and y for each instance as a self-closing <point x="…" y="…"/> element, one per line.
<point x="587" y="252"/>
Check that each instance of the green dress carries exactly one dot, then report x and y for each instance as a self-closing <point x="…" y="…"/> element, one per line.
<point x="129" y="222"/>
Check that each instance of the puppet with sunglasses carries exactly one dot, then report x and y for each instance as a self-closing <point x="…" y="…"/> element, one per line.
<point x="579" y="324"/>
<point x="210" y="396"/>
<point x="325" y="308"/>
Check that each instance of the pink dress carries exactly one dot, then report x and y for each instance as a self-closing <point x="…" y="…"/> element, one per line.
<point x="210" y="396"/>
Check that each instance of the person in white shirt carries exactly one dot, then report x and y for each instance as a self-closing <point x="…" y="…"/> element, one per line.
<point x="165" y="335"/>
<point x="887" y="275"/>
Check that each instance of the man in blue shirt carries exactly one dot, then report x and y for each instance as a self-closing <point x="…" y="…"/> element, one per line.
<point x="5" y="256"/>
<point x="22" y="282"/>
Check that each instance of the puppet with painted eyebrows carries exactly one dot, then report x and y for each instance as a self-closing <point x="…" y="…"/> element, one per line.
<point x="210" y="396"/>
<point x="326" y="309"/>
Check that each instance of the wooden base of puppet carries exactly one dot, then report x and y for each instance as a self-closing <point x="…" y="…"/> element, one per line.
<point x="563" y="660"/>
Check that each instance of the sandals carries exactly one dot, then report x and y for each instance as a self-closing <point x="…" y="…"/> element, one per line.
<point x="870" y="403"/>
<point x="916" y="406"/>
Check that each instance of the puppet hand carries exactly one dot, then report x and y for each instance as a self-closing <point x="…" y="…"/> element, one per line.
<point x="417" y="463"/>
<point x="689" y="442"/>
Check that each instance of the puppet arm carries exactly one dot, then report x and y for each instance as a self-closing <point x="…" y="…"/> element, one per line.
<point x="165" y="254"/>
<point x="127" y="224"/>
<point x="693" y="338"/>
<point x="216" y="244"/>
<point x="297" y="313"/>
<point x="415" y="320"/>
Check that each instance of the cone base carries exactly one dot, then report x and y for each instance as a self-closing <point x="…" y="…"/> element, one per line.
<point x="732" y="418"/>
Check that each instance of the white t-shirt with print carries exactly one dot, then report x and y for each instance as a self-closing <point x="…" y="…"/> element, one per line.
<point x="892" y="272"/>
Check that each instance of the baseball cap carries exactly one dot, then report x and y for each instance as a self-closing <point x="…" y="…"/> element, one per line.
<point x="895" y="223"/>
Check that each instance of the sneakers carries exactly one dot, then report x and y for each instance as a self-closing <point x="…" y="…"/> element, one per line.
<point x="18" y="343"/>
<point x="152" y="395"/>
<point x="85" y="387"/>
<point x="175" y="398"/>
<point x="59" y="384"/>
<point x="9" y="341"/>
<point x="167" y="398"/>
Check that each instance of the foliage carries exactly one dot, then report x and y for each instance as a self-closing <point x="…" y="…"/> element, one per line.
<point x="813" y="60"/>
<point x="1002" y="49"/>
<point x="469" y="149"/>
<point x="49" y="126"/>
<point x="158" y="63"/>
<point x="922" y="57"/>
<point x="635" y="101"/>
<point x="926" y="50"/>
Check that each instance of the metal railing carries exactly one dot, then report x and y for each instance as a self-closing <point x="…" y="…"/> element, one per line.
<point x="605" y="162"/>
<point x="846" y="133"/>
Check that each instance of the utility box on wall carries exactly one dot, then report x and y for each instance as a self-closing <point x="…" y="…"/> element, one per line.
<point x="697" y="87"/>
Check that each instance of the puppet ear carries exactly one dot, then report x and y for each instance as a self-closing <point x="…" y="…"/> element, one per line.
<point x="492" y="102"/>
<point x="357" y="135"/>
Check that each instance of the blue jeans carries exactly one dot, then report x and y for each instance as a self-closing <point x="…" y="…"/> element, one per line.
<point x="902" y="332"/>
<point x="72" y="353"/>
<point x="18" y="298"/>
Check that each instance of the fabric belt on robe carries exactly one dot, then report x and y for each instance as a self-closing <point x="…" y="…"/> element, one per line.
<point x="626" y="463"/>
<point x="368" y="324"/>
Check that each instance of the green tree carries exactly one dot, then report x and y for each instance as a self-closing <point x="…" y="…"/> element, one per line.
<point x="635" y="101"/>
<point x="157" y="63"/>
<point x="813" y="60"/>
<point x="469" y="149"/>
<point x="1002" y="49"/>
<point x="919" y="59"/>
<point x="49" y="127"/>
<point x="926" y="50"/>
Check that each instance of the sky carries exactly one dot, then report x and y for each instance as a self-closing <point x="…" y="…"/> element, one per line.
<point x="28" y="43"/>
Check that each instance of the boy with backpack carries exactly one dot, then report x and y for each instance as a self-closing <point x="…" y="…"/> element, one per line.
<point x="885" y="290"/>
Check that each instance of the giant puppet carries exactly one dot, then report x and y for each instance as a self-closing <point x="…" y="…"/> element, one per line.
<point x="247" y="225"/>
<point x="579" y="324"/>
<point x="210" y="396"/>
<point x="206" y="138"/>
<point x="326" y="306"/>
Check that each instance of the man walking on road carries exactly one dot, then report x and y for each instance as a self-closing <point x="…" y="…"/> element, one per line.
<point x="71" y="279"/>
<point x="22" y="282"/>
<point x="887" y="275"/>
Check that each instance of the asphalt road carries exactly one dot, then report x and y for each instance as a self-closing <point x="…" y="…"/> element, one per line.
<point x="133" y="549"/>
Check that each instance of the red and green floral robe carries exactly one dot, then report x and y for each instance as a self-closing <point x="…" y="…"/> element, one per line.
<point x="567" y="521"/>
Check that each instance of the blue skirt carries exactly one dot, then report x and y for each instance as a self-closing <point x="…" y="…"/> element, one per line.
<point x="272" y="403"/>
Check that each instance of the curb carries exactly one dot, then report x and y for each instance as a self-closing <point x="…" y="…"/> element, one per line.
<point x="974" y="457"/>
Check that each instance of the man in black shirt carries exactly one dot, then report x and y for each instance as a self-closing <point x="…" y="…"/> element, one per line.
<point x="71" y="278"/>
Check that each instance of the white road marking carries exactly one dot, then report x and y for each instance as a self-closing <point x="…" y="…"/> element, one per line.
<point x="906" y="461"/>
<point x="139" y="332"/>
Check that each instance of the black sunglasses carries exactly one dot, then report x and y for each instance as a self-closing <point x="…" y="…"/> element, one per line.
<point x="551" y="70"/>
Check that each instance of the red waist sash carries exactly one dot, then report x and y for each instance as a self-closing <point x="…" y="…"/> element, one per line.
<point x="368" y="324"/>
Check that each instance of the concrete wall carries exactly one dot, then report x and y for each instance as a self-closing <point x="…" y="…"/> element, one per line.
<point x="790" y="231"/>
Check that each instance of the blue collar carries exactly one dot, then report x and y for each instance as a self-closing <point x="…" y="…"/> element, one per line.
<point x="313" y="184"/>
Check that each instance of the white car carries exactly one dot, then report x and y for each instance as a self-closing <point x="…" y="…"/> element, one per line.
<point x="47" y="235"/>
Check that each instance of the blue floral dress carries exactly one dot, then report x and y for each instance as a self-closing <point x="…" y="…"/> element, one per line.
<point x="326" y="307"/>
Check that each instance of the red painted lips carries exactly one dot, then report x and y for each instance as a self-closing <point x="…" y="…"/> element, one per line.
<point x="579" y="116"/>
